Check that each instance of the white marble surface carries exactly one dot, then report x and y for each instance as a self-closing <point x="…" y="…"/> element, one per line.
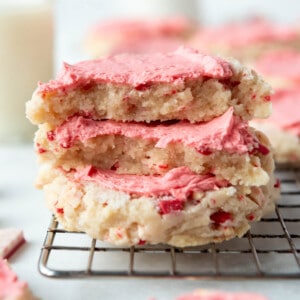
<point x="22" y="206"/>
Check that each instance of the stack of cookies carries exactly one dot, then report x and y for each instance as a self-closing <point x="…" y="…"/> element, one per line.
<point x="154" y="148"/>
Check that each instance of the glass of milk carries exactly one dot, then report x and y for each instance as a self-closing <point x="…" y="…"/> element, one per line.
<point x="26" y="57"/>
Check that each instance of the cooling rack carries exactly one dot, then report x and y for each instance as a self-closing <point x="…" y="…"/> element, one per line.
<point x="269" y="250"/>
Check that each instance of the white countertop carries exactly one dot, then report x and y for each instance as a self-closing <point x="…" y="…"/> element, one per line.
<point x="22" y="206"/>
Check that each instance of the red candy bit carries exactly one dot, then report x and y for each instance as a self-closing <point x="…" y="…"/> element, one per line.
<point x="60" y="210"/>
<point x="92" y="171"/>
<point x="241" y="197"/>
<point x="40" y="150"/>
<point x="267" y="98"/>
<point x="277" y="184"/>
<point x="143" y="87"/>
<point x="167" y="206"/>
<point x="88" y="86"/>
<point x="66" y="144"/>
<point x="250" y="217"/>
<point x="163" y="166"/>
<point x="253" y="96"/>
<point x="213" y="201"/>
<point x="115" y="166"/>
<point x="263" y="149"/>
<point x="119" y="233"/>
<point x="221" y="216"/>
<point x="141" y="242"/>
<point x="51" y="135"/>
<point x="205" y="151"/>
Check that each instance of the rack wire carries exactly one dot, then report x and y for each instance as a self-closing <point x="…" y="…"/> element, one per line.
<point x="269" y="250"/>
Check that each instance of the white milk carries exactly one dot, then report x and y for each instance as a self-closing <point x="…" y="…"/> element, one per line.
<point x="26" y="50"/>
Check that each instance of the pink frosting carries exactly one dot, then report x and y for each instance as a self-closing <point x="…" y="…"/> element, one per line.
<point x="246" y="33"/>
<point x="137" y="70"/>
<point x="286" y="104"/>
<point x="226" y="132"/>
<point x="10" y="287"/>
<point x="178" y="182"/>
<point x="220" y="295"/>
<point x="147" y="45"/>
<point x="284" y="64"/>
<point x="137" y="28"/>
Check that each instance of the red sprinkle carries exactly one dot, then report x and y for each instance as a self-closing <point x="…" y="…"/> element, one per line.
<point x="241" y="197"/>
<point x="267" y="98"/>
<point x="277" y="184"/>
<point x="51" y="135"/>
<point x="143" y="87"/>
<point x="205" y="151"/>
<point x="59" y="210"/>
<point x="263" y="149"/>
<point x="92" y="171"/>
<point x="253" y="96"/>
<point x="141" y="242"/>
<point x="163" y="166"/>
<point x="41" y="150"/>
<point x="115" y="166"/>
<point x="167" y="206"/>
<point x="250" y="217"/>
<point x="66" y="144"/>
<point x="119" y="233"/>
<point x="88" y="86"/>
<point x="213" y="201"/>
<point x="221" y="217"/>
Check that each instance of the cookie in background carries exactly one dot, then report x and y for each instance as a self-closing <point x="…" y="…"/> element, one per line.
<point x="246" y="40"/>
<point x="137" y="35"/>
<point x="282" y="70"/>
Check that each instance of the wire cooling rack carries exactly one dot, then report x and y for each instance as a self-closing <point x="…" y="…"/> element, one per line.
<point x="269" y="250"/>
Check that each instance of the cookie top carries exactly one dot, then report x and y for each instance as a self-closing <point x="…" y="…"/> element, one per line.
<point x="140" y="70"/>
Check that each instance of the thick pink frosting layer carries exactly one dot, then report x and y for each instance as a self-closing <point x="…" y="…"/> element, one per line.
<point x="226" y="132"/>
<point x="283" y="64"/>
<point x="178" y="183"/>
<point x="10" y="287"/>
<point x="136" y="70"/>
<point x="246" y="33"/>
<point x="286" y="113"/>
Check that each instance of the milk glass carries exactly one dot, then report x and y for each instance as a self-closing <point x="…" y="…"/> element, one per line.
<point x="26" y="56"/>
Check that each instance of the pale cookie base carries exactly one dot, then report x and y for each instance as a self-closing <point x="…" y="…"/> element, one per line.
<point x="286" y="145"/>
<point x="141" y="157"/>
<point x="116" y="217"/>
<point x="193" y="100"/>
